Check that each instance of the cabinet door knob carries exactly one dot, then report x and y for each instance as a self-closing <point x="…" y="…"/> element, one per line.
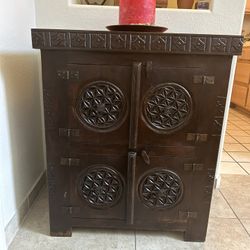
<point x="145" y="157"/>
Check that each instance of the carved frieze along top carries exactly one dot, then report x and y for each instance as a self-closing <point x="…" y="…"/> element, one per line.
<point x="137" y="42"/>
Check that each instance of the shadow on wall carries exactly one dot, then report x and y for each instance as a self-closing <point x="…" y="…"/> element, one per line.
<point x="23" y="127"/>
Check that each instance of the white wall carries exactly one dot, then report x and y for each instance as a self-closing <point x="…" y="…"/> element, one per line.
<point x="225" y="17"/>
<point x="21" y="147"/>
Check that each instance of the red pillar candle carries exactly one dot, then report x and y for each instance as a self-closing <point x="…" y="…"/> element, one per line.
<point x="137" y="12"/>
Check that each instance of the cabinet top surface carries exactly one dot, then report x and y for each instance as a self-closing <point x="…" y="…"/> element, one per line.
<point x="136" y="42"/>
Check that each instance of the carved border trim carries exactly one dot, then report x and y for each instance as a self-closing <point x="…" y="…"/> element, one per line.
<point x="137" y="42"/>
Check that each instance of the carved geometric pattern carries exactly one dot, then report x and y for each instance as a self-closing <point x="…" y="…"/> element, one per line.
<point x="167" y="107"/>
<point x="58" y="39"/>
<point x="101" y="105"/>
<point x="78" y="40"/>
<point x="218" y="123"/>
<point x="138" y="42"/>
<point x="118" y="41"/>
<point x="151" y="42"/>
<point x="161" y="189"/>
<point x="179" y="43"/>
<point x="236" y="46"/>
<point x="219" y="45"/>
<point x="38" y="39"/>
<point x="160" y="43"/>
<point x="220" y="105"/>
<point x="100" y="186"/>
<point x="98" y="41"/>
<point x="51" y="180"/>
<point x="199" y="44"/>
<point x="49" y="109"/>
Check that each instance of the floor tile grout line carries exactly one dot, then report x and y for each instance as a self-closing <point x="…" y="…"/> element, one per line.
<point x="235" y="161"/>
<point x="243" y="167"/>
<point x="232" y="156"/>
<point x="236" y="114"/>
<point x="245" y="147"/>
<point x="236" y="139"/>
<point x="234" y="213"/>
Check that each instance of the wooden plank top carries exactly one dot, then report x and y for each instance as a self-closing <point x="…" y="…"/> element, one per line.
<point x="136" y="42"/>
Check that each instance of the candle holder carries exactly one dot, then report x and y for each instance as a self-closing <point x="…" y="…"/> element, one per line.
<point x="137" y="28"/>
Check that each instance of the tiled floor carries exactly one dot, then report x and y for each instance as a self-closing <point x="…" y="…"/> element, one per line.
<point x="229" y="222"/>
<point x="236" y="155"/>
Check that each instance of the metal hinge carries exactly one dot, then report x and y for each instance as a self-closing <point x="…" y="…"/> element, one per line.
<point x="67" y="74"/>
<point x="183" y="215"/>
<point x="201" y="79"/>
<point x="197" y="137"/>
<point x="193" y="167"/>
<point x="71" y="210"/>
<point x="69" y="132"/>
<point x="69" y="162"/>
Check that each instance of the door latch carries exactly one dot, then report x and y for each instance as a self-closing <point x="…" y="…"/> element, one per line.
<point x="145" y="157"/>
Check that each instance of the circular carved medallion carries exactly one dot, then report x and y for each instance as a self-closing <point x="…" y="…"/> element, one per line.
<point x="100" y="186"/>
<point x="167" y="107"/>
<point x="161" y="189"/>
<point x="101" y="105"/>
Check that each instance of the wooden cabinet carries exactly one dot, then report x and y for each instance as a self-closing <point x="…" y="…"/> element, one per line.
<point x="248" y="6"/>
<point x="245" y="54"/>
<point x="241" y="88"/>
<point x="239" y="95"/>
<point x="242" y="73"/>
<point x="248" y="103"/>
<point x="133" y="124"/>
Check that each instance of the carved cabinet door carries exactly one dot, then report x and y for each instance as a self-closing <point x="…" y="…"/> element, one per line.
<point x="97" y="129"/>
<point x="181" y="98"/>
<point x="181" y="105"/>
<point x="99" y="104"/>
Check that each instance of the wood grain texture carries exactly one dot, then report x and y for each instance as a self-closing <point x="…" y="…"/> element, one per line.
<point x="137" y="42"/>
<point x="132" y="138"/>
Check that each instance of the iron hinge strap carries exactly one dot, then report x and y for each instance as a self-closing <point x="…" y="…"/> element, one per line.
<point x="70" y="210"/>
<point x="183" y="215"/>
<point x="69" y="162"/>
<point x="67" y="74"/>
<point x="69" y="132"/>
<point x="197" y="137"/>
<point x="202" y="79"/>
<point x="193" y="167"/>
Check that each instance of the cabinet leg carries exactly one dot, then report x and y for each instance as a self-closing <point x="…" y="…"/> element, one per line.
<point x="60" y="224"/>
<point x="196" y="232"/>
<point x="66" y="233"/>
<point x="60" y="228"/>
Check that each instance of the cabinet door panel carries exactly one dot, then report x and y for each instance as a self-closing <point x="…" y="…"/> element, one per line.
<point x="242" y="73"/>
<point x="239" y="95"/>
<point x="182" y="95"/>
<point x="98" y="187"/>
<point x="169" y="185"/>
<point x="248" y="101"/>
<point x="162" y="190"/>
<point x="99" y="104"/>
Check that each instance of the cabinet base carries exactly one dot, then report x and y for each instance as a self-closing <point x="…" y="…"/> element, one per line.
<point x="62" y="233"/>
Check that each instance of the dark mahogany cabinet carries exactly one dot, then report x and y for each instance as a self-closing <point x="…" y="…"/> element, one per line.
<point x="133" y="124"/>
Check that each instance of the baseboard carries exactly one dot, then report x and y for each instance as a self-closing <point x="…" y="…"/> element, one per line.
<point x="15" y="223"/>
